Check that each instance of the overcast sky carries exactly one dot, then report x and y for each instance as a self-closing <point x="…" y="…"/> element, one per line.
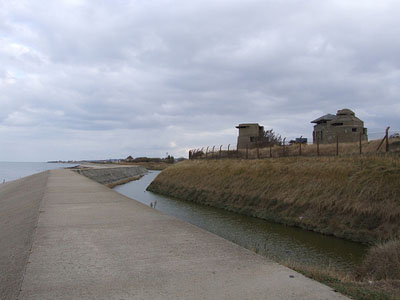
<point x="107" y="79"/>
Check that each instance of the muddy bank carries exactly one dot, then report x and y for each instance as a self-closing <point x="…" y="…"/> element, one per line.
<point x="356" y="198"/>
<point x="114" y="176"/>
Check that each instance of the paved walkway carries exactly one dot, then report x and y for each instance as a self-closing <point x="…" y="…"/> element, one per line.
<point x="93" y="243"/>
<point x="19" y="211"/>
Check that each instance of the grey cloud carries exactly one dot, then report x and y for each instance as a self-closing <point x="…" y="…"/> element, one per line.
<point x="164" y="76"/>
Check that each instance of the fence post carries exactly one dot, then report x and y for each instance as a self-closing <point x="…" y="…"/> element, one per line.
<point x="318" y="146"/>
<point x="283" y="154"/>
<point x="337" y="145"/>
<point x="301" y="137"/>
<point x="212" y="155"/>
<point x="258" y="151"/>
<point x="387" y="139"/>
<point x="247" y="151"/>
<point x="384" y="138"/>
<point x="228" y="150"/>
<point x="360" y="143"/>
<point x="220" y="147"/>
<point x="206" y="152"/>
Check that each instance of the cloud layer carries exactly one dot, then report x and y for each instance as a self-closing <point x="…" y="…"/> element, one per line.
<point x="99" y="79"/>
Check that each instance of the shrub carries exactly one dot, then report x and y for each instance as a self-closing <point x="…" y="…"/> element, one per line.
<point x="382" y="262"/>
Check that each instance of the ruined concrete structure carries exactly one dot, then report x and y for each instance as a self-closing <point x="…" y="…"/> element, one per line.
<point x="249" y="135"/>
<point x="345" y="125"/>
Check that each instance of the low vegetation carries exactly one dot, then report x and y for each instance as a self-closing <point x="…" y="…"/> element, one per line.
<point x="382" y="262"/>
<point x="149" y="165"/>
<point x="153" y="163"/>
<point x="350" y="283"/>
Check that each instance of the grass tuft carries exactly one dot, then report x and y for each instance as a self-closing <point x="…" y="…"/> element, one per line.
<point x="382" y="262"/>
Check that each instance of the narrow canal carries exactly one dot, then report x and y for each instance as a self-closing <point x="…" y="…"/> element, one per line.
<point x="273" y="240"/>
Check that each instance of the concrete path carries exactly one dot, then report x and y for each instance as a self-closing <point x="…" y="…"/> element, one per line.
<point x="19" y="211"/>
<point x="93" y="243"/>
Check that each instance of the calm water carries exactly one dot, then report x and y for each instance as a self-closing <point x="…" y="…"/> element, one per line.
<point x="16" y="170"/>
<point x="273" y="240"/>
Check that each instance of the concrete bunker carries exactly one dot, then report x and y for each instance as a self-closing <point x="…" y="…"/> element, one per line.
<point x="344" y="125"/>
<point x="249" y="135"/>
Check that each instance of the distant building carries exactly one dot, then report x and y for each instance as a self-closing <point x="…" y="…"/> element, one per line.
<point x="129" y="158"/>
<point x="344" y="125"/>
<point x="300" y="140"/>
<point x="249" y="135"/>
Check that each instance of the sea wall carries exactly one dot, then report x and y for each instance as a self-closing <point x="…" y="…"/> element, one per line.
<point x="19" y="202"/>
<point x="114" y="176"/>
<point x="356" y="198"/>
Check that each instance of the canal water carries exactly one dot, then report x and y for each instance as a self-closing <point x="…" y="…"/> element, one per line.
<point x="276" y="241"/>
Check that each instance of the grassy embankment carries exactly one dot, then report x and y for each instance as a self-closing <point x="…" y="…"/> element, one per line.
<point x="356" y="198"/>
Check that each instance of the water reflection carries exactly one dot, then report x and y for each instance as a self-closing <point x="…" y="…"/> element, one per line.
<point x="271" y="239"/>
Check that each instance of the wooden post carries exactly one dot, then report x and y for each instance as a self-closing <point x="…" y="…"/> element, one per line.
<point x="300" y="145"/>
<point x="206" y="152"/>
<point x="220" y="151"/>
<point x="212" y="153"/>
<point x="360" y="143"/>
<point x="247" y="151"/>
<point x="283" y="153"/>
<point x="384" y="138"/>
<point x="228" y="150"/>
<point x="258" y="151"/>
<point x="387" y="139"/>
<point x="317" y="146"/>
<point x="337" y="145"/>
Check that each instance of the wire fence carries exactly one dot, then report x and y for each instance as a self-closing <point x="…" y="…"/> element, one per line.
<point x="378" y="142"/>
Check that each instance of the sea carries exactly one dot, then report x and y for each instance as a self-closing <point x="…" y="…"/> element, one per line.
<point x="16" y="170"/>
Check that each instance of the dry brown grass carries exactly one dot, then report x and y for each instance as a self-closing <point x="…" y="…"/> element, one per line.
<point x="382" y="262"/>
<point x="149" y="165"/>
<point x="346" y="283"/>
<point x="355" y="197"/>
